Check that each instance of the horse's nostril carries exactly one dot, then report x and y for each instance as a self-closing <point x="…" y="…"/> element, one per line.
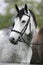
<point x="11" y="39"/>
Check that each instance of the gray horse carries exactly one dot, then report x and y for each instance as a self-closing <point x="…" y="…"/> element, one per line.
<point x="21" y="37"/>
<point x="22" y="33"/>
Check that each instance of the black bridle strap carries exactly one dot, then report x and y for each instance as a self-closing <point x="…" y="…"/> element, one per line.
<point x="22" y="32"/>
<point x="17" y="32"/>
<point x="25" y="27"/>
<point x="26" y="42"/>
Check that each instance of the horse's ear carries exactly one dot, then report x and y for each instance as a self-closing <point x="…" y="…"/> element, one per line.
<point x="17" y="8"/>
<point x="26" y="8"/>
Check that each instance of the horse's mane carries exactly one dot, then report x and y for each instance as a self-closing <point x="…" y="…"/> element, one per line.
<point x="34" y="18"/>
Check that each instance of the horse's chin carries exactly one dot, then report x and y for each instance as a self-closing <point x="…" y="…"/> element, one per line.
<point x="14" y="43"/>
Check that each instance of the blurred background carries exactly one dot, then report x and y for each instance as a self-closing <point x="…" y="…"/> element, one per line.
<point x="8" y="12"/>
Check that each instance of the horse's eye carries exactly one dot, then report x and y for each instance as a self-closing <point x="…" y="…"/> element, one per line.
<point x="13" y="24"/>
<point x="23" y="21"/>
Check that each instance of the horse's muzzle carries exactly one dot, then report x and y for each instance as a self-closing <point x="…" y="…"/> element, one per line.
<point x="12" y="40"/>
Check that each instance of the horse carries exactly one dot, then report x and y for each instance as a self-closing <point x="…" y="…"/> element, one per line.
<point x="22" y="33"/>
<point x="38" y="48"/>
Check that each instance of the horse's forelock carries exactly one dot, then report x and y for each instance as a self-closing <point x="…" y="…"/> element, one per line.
<point x="21" y="13"/>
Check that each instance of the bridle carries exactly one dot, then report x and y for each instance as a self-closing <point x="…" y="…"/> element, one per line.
<point x="20" y="38"/>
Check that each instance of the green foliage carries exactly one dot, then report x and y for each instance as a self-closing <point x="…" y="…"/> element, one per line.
<point x="40" y="21"/>
<point x="5" y="21"/>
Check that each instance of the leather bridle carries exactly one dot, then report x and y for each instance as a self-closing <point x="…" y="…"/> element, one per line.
<point x="20" y="38"/>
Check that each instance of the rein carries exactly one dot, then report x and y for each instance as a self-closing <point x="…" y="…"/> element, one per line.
<point x="20" y="38"/>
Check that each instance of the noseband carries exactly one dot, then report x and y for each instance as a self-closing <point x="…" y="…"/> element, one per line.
<point x="23" y="31"/>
